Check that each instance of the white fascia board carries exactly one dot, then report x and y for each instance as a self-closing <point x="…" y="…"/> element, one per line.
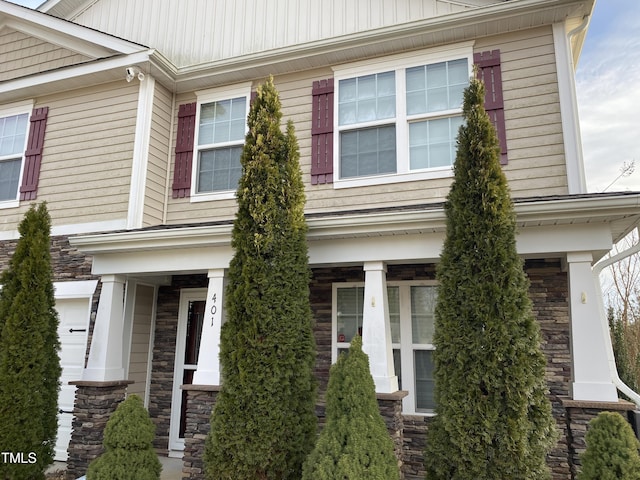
<point x="63" y="33"/>
<point x="62" y="79"/>
<point x="569" y="213"/>
<point x="75" y="289"/>
<point x="146" y="240"/>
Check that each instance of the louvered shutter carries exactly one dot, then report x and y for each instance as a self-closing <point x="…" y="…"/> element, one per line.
<point x="184" y="150"/>
<point x="33" y="154"/>
<point x="488" y="66"/>
<point x="322" y="132"/>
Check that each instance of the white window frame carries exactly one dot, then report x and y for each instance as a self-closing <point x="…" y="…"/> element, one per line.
<point x="209" y="96"/>
<point x="405" y="346"/>
<point x="9" y="111"/>
<point x="399" y="64"/>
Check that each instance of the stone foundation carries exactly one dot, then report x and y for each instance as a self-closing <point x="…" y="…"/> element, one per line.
<point x="94" y="404"/>
<point x="200" y="402"/>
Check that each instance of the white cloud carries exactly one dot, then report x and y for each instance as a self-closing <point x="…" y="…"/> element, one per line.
<point x="608" y="87"/>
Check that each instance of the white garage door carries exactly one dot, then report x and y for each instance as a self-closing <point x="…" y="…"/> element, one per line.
<point x="74" y="319"/>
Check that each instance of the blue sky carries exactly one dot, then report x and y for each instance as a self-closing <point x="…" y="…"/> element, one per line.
<point x="608" y="89"/>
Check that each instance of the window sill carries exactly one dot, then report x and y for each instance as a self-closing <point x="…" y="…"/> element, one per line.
<point x="209" y="197"/>
<point x="431" y="174"/>
<point x="9" y="204"/>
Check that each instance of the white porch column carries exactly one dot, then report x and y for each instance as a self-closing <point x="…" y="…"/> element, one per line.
<point x="589" y="340"/>
<point x="376" y="328"/>
<point x="208" y="371"/>
<point x="105" y="356"/>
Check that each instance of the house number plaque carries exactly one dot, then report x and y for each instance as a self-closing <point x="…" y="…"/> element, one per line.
<point x="214" y="308"/>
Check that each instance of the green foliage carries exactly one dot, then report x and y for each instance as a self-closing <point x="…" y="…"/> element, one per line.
<point x="494" y="420"/>
<point x="264" y="424"/>
<point x="624" y="338"/>
<point x="612" y="450"/>
<point x="355" y="443"/>
<point x="128" y="442"/>
<point x="29" y="362"/>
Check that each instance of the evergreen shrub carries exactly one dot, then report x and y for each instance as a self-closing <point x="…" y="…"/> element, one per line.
<point x="128" y="443"/>
<point x="264" y="423"/>
<point x="355" y="443"/>
<point x="612" y="450"/>
<point x="29" y="344"/>
<point x="494" y="419"/>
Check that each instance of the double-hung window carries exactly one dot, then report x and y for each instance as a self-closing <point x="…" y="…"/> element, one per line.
<point x="221" y="126"/>
<point x="14" y="127"/>
<point x="398" y="118"/>
<point x="411" y="314"/>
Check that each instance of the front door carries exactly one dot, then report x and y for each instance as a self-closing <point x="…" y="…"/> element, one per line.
<point x="190" y="318"/>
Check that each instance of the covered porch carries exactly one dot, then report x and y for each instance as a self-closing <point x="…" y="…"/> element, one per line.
<point x="157" y="328"/>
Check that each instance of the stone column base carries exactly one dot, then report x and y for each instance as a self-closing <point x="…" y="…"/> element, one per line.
<point x="94" y="404"/>
<point x="390" y="405"/>
<point x="579" y="414"/>
<point x="200" y="402"/>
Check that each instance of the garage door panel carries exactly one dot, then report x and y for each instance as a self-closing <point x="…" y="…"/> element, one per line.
<point x="74" y="319"/>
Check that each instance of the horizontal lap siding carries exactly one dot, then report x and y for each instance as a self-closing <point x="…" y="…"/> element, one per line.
<point x="22" y="55"/>
<point x="532" y="112"/>
<point x="244" y="27"/>
<point x="534" y="136"/>
<point x="158" y="156"/>
<point x="88" y="149"/>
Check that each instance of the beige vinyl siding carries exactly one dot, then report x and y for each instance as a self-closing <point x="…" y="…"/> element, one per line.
<point x="191" y="32"/>
<point x="88" y="150"/>
<point x="534" y="136"/>
<point x="22" y="55"/>
<point x="140" y="340"/>
<point x="532" y="112"/>
<point x="159" y="155"/>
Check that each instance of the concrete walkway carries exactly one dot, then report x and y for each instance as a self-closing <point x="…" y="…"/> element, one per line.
<point x="171" y="468"/>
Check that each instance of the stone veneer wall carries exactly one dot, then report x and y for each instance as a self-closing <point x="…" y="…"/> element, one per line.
<point x="200" y="402"/>
<point x="94" y="404"/>
<point x="548" y="292"/>
<point x="164" y="352"/>
<point x="578" y="416"/>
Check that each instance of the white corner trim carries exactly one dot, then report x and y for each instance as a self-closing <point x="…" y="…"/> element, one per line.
<point x="146" y="94"/>
<point x="569" y="111"/>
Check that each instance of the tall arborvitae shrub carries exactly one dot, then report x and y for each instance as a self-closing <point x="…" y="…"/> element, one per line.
<point x="29" y="362"/>
<point x="355" y="443"/>
<point x="128" y="443"/>
<point x="264" y="425"/>
<point x="493" y="418"/>
<point x="612" y="450"/>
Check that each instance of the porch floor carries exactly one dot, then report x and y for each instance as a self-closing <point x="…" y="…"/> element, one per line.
<point x="171" y="468"/>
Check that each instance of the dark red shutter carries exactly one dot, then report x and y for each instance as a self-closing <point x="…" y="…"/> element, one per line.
<point x="488" y="65"/>
<point x="33" y="155"/>
<point x="184" y="150"/>
<point x="322" y="132"/>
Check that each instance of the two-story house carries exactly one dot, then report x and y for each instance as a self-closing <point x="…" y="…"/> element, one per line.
<point x="128" y="118"/>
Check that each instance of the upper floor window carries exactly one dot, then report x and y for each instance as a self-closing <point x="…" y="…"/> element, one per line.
<point x="221" y="127"/>
<point x="13" y="138"/>
<point x="398" y="119"/>
<point x="411" y="315"/>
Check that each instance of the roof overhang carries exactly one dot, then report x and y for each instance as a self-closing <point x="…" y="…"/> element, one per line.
<point x="498" y="18"/>
<point x="547" y="227"/>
